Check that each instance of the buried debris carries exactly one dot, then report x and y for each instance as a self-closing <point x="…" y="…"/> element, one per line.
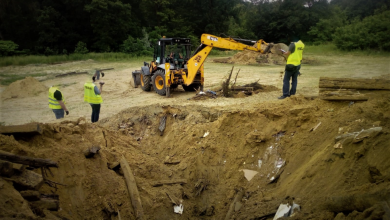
<point x="70" y="73"/>
<point x="286" y="210"/>
<point x="33" y="128"/>
<point x="315" y="127"/>
<point x="162" y="125"/>
<point x="235" y="202"/>
<point x="201" y="185"/>
<point x="249" y="174"/>
<point x="90" y="152"/>
<point x="34" y="162"/>
<point x="169" y="182"/>
<point x="132" y="188"/>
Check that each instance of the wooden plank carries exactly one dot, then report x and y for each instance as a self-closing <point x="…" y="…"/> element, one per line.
<point x="105" y="69"/>
<point x="45" y="203"/>
<point x="70" y="73"/>
<point x="33" y="128"/>
<point x="348" y="83"/>
<point x="235" y="88"/>
<point x="132" y="187"/>
<point x="34" y="162"/>
<point x="31" y="195"/>
<point x="169" y="182"/>
<point x="344" y="98"/>
<point x="330" y="89"/>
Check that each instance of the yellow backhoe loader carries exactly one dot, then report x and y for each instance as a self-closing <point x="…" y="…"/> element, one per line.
<point x="173" y="64"/>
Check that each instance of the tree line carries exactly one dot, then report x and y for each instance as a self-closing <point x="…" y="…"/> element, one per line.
<point x="133" y="26"/>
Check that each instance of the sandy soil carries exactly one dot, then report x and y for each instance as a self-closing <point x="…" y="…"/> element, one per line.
<point x="118" y="93"/>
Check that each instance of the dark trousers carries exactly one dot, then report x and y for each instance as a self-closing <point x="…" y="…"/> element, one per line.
<point x="95" y="112"/>
<point x="286" y="82"/>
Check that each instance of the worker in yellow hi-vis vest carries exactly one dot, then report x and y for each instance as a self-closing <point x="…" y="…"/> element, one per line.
<point x="92" y="95"/>
<point x="293" y="66"/>
<point x="57" y="102"/>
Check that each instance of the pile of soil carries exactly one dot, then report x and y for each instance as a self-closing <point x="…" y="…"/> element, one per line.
<point x="27" y="87"/>
<point x="325" y="170"/>
<point x="274" y="57"/>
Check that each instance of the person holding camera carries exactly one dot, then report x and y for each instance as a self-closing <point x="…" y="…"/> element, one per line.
<point x="92" y="95"/>
<point x="293" y="66"/>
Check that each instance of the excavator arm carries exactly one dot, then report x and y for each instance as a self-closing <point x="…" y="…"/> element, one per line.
<point x="208" y="42"/>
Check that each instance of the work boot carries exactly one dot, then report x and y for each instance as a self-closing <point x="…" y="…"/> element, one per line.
<point x="282" y="97"/>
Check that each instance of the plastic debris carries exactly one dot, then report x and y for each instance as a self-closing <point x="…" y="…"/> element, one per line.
<point x="178" y="209"/>
<point x="201" y="93"/>
<point x="283" y="211"/>
<point x="212" y="92"/>
<point x="260" y="163"/>
<point x="249" y="174"/>
<point x="206" y="134"/>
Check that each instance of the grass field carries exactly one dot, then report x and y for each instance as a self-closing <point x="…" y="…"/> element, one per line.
<point x="327" y="55"/>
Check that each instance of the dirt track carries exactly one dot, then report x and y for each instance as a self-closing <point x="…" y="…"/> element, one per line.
<point x="326" y="181"/>
<point x="118" y="94"/>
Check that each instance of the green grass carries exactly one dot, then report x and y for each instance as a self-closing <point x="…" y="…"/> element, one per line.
<point x="38" y="59"/>
<point x="331" y="49"/>
<point x="7" y="79"/>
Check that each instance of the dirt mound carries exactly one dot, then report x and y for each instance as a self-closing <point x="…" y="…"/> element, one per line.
<point x="250" y="57"/>
<point x="24" y="88"/>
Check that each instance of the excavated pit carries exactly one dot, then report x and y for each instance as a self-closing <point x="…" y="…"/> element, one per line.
<point x="212" y="148"/>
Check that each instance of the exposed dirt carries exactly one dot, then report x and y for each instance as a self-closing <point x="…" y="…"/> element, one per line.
<point x="324" y="180"/>
<point x="214" y="141"/>
<point x="27" y="87"/>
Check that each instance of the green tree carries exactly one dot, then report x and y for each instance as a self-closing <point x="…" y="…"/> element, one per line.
<point x="81" y="48"/>
<point x="49" y="31"/>
<point x="7" y="48"/>
<point x="110" y="21"/>
<point x="325" y="28"/>
<point x="373" y="32"/>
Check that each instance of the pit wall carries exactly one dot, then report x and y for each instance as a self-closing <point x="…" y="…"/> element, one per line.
<point x="213" y="146"/>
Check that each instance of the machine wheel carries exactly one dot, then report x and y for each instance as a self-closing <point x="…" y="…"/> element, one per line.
<point x="191" y="88"/>
<point x="158" y="81"/>
<point x="145" y="82"/>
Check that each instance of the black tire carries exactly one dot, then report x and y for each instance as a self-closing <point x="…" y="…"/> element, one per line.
<point x="158" y="82"/>
<point x="191" y="88"/>
<point x="138" y="79"/>
<point x="145" y="82"/>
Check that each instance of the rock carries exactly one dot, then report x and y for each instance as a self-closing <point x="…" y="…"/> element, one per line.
<point x="255" y="137"/>
<point x="28" y="180"/>
<point x="19" y="168"/>
<point x="6" y="168"/>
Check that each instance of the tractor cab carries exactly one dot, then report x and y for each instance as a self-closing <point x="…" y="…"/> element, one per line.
<point x="175" y="51"/>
